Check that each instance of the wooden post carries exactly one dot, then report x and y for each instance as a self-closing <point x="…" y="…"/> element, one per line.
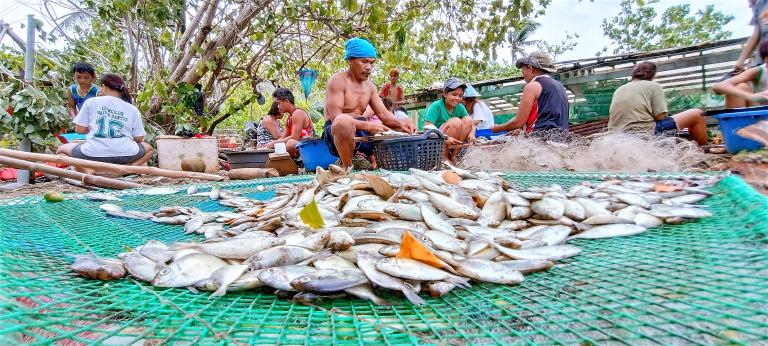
<point x="87" y="178"/>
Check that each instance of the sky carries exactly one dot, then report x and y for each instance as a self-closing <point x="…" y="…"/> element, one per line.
<point x="572" y="16"/>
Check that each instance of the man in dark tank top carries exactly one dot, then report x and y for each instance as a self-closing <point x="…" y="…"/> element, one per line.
<point x="544" y="103"/>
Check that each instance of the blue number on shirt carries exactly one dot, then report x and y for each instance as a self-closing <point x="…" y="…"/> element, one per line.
<point x="115" y="128"/>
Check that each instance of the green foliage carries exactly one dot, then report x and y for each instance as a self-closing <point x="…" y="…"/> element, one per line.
<point x="636" y="27"/>
<point x="36" y="113"/>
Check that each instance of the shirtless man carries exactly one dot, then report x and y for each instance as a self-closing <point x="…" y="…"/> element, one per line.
<point x="349" y="93"/>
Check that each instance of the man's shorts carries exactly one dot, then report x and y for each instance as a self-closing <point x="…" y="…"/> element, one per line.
<point x="666" y="126"/>
<point x="365" y="148"/>
<point x="118" y="160"/>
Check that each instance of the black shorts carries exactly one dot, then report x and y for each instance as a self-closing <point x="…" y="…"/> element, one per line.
<point x="365" y="148"/>
<point x="119" y="160"/>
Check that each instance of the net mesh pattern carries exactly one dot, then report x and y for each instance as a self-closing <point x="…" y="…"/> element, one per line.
<point x="702" y="282"/>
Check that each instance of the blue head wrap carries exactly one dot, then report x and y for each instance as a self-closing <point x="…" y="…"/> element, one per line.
<point x="359" y="48"/>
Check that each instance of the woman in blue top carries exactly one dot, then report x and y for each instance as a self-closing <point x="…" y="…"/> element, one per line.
<point x="449" y="115"/>
<point x="83" y="89"/>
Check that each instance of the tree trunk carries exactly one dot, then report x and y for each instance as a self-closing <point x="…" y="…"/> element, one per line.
<point x="88" y="178"/>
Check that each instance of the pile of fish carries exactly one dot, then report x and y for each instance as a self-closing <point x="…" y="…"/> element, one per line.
<point x="478" y="226"/>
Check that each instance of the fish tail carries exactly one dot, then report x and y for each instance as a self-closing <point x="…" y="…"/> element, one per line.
<point x="459" y="281"/>
<point x="411" y="295"/>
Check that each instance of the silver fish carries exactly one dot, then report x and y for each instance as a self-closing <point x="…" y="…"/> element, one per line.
<point x="439" y="288"/>
<point x="139" y="266"/>
<point x="156" y="251"/>
<point x="280" y="277"/>
<point x="516" y="200"/>
<point x="610" y="231"/>
<point x="224" y="276"/>
<point x="513" y="225"/>
<point x="686" y="212"/>
<point x="435" y="222"/>
<point x="552" y="253"/>
<point x="414" y="270"/>
<point x="156" y="191"/>
<point x="518" y="212"/>
<point x="408" y="212"/>
<point x="528" y="266"/>
<point x="554" y="235"/>
<point x="604" y="220"/>
<point x="130" y="214"/>
<point x="633" y="199"/>
<point x="329" y="280"/>
<point x="573" y="210"/>
<point x="279" y="256"/>
<point x="240" y="248"/>
<point x="451" y="207"/>
<point x="111" y="207"/>
<point x="488" y="271"/>
<point x="98" y="268"/>
<point x="389" y="250"/>
<point x="495" y="209"/>
<point x="247" y="281"/>
<point x="647" y="220"/>
<point x="339" y="240"/>
<point x="548" y="208"/>
<point x="188" y="270"/>
<point x="97" y="196"/>
<point x="443" y="241"/>
<point x="591" y="208"/>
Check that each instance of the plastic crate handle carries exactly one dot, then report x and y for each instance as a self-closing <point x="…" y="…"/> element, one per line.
<point x="429" y="134"/>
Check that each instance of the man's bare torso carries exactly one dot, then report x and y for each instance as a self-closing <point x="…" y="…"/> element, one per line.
<point x="357" y="95"/>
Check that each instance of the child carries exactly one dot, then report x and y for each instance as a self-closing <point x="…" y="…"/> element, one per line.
<point x="83" y="89"/>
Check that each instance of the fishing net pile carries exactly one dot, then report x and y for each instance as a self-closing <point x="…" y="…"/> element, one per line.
<point x="613" y="152"/>
<point x="431" y="232"/>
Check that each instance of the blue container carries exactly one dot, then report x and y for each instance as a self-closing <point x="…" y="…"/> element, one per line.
<point x="315" y="154"/>
<point x="73" y="136"/>
<point x="732" y="122"/>
<point x="487" y="133"/>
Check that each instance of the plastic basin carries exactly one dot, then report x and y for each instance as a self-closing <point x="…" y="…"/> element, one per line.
<point x="487" y="133"/>
<point x="733" y="121"/>
<point x="315" y="154"/>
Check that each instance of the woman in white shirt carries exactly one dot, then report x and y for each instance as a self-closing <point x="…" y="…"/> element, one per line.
<point x="113" y="125"/>
<point x="477" y="109"/>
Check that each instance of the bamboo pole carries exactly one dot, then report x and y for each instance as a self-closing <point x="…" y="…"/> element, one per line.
<point x="120" y="169"/>
<point x="87" y="178"/>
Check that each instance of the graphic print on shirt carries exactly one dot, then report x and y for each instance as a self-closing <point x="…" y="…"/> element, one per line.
<point x="110" y="123"/>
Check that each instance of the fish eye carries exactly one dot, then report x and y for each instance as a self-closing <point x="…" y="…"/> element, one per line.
<point x="305" y="279"/>
<point x="165" y="271"/>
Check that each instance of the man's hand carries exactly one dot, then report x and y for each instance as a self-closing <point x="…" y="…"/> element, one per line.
<point x="452" y="141"/>
<point x="471" y="139"/>
<point x="407" y="126"/>
<point x="374" y="128"/>
<point x="739" y="67"/>
<point x="761" y="97"/>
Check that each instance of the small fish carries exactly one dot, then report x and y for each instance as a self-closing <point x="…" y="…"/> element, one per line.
<point x="647" y="220"/>
<point x="157" y="191"/>
<point x="548" y="208"/>
<point x="591" y="208"/>
<point x="439" y="288"/>
<point x="551" y="253"/>
<point x="451" y="207"/>
<point x="157" y="251"/>
<point x="488" y="271"/>
<point x="215" y="192"/>
<point x="414" y="270"/>
<point x="98" y="268"/>
<point x="554" y="235"/>
<point x="339" y="240"/>
<point x="192" y="190"/>
<point x="512" y="225"/>
<point x="435" y="222"/>
<point x="685" y="212"/>
<point x="188" y="270"/>
<point x="98" y="197"/>
<point x="443" y="241"/>
<point x="240" y="248"/>
<point x="516" y="200"/>
<point x="409" y="212"/>
<point x="109" y="207"/>
<point x="633" y="199"/>
<point x="573" y="210"/>
<point x="329" y="280"/>
<point x="280" y="277"/>
<point x="224" y="276"/>
<point x="130" y="214"/>
<point x="247" y="281"/>
<point x="172" y="220"/>
<point x="279" y="256"/>
<point x="610" y="231"/>
<point x="528" y="266"/>
<point x="605" y="220"/>
<point x="139" y="266"/>
<point x="495" y="209"/>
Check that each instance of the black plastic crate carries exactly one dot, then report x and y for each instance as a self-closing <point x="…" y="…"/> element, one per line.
<point x="425" y="152"/>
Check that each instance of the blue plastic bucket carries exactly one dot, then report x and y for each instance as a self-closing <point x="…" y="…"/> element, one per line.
<point x="732" y="122"/>
<point x="315" y="154"/>
<point x="487" y="133"/>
